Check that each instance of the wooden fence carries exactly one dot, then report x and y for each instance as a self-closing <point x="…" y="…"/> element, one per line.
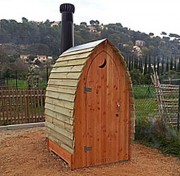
<point x="168" y="101"/>
<point x="21" y="106"/>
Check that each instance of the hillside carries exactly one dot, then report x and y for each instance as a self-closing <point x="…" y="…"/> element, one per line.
<point x="140" y="50"/>
<point x="44" y="38"/>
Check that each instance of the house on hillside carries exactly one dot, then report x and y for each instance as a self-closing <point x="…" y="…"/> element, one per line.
<point x="55" y="23"/>
<point x="44" y="59"/>
<point x="96" y="29"/>
<point x="24" y="57"/>
<point x="139" y="43"/>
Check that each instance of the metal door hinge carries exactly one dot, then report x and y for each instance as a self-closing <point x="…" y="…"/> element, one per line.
<point x="87" y="89"/>
<point x="86" y="148"/>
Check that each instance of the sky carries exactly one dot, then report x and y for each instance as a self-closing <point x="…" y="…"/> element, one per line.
<point x="147" y="16"/>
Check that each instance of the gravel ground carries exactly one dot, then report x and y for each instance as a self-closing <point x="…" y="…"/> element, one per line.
<point x="24" y="153"/>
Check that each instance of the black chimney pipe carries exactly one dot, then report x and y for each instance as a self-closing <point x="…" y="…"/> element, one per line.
<point x="67" y="27"/>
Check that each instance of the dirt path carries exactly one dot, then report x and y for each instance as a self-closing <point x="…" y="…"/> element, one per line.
<point x="24" y="153"/>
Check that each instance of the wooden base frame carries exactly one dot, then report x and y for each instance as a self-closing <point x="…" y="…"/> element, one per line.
<point x="65" y="155"/>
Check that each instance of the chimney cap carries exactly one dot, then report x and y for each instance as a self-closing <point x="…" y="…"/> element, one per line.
<point x="67" y="7"/>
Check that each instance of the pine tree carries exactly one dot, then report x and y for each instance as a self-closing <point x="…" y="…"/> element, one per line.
<point x="171" y="63"/>
<point x="167" y="65"/>
<point x="158" y="69"/>
<point x="162" y="69"/>
<point x="145" y="65"/>
<point x="178" y="65"/>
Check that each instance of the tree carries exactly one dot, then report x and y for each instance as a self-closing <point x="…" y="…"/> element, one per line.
<point x="151" y="34"/>
<point x="92" y="22"/>
<point x="136" y="76"/>
<point x="167" y="65"/>
<point x="24" y="20"/>
<point x="163" y="33"/>
<point x="178" y="65"/>
<point x="158" y="65"/>
<point x="97" y="22"/>
<point x="171" y="64"/>
<point x="162" y="69"/>
<point x="3" y="56"/>
<point x="39" y="49"/>
<point x="83" y="24"/>
<point x="47" y="23"/>
<point x="174" y="35"/>
<point x="145" y="65"/>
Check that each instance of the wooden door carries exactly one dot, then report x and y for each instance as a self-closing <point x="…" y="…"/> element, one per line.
<point x="106" y="119"/>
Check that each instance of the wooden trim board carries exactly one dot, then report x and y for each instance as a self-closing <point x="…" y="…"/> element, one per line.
<point x="65" y="155"/>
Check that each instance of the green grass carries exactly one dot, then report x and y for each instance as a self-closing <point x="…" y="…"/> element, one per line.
<point x="146" y="107"/>
<point x="145" y="100"/>
<point x="22" y="84"/>
<point x="144" y="91"/>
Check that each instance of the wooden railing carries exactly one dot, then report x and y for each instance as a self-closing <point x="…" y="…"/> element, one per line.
<point x="168" y="101"/>
<point x="21" y="106"/>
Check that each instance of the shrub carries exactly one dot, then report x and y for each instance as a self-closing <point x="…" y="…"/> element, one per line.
<point x="153" y="132"/>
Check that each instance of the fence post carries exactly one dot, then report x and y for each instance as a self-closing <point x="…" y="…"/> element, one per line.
<point x="7" y="74"/>
<point x="178" y="119"/>
<point x="16" y="80"/>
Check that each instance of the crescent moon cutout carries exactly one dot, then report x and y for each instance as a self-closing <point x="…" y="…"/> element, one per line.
<point x="103" y="65"/>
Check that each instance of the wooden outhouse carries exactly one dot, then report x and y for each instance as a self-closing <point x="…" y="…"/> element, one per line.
<point x="89" y="106"/>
